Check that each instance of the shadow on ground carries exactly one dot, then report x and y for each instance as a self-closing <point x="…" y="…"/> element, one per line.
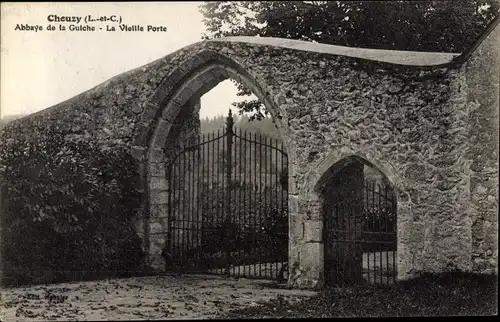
<point x="429" y="295"/>
<point x="209" y="297"/>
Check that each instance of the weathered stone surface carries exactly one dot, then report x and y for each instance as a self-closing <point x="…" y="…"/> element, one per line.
<point x="308" y="270"/>
<point x="159" y="197"/>
<point x="157" y="169"/>
<point x="433" y="132"/>
<point x="481" y="81"/>
<point x="156" y="261"/>
<point x="158" y="183"/>
<point x="157" y="211"/>
<point x="159" y="226"/>
<point x="312" y="231"/>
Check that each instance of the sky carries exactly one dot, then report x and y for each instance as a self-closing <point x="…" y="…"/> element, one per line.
<point x="42" y="68"/>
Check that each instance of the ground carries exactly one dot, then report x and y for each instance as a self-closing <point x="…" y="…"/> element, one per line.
<point x="206" y="297"/>
<point x="449" y="294"/>
<point x="165" y="297"/>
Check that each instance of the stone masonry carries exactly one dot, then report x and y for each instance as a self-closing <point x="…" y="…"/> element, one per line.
<point x="431" y="129"/>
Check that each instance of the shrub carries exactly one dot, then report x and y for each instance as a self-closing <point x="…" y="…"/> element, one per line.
<point x="256" y="229"/>
<point x="67" y="205"/>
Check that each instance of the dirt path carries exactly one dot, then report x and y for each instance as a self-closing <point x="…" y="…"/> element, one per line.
<point x="165" y="297"/>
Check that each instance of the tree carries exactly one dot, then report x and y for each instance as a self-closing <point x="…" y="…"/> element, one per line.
<point x="435" y="26"/>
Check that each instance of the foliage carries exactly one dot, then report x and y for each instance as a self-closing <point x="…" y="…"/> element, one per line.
<point x="255" y="228"/>
<point x="241" y="123"/>
<point x="245" y="154"/>
<point x="437" y="26"/>
<point x="67" y="207"/>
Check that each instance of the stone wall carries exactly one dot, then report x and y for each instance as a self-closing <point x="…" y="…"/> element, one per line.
<point x="412" y="123"/>
<point x="481" y="75"/>
<point x="405" y="121"/>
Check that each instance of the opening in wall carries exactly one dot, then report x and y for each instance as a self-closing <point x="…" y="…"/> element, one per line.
<point x="228" y="196"/>
<point x="359" y="225"/>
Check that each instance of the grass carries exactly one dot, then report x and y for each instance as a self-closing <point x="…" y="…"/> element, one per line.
<point x="452" y="294"/>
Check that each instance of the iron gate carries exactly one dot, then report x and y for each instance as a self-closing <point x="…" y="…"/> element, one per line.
<point x="360" y="235"/>
<point x="228" y="206"/>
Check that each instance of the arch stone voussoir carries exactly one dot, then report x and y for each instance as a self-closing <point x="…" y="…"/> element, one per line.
<point x="159" y="96"/>
<point x="323" y="171"/>
<point x="183" y="96"/>
<point x="149" y="113"/>
<point x="208" y="54"/>
<point x="162" y="130"/>
<point x="156" y="155"/>
<point x="198" y="59"/>
<point x="170" y="113"/>
<point x="167" y="86"/>
<point x="177" y="75"/>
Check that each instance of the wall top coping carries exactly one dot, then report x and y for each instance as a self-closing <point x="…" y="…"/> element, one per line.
<point x="399" y="57"/>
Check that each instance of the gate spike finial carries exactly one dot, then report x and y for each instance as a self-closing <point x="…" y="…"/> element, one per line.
<point x="230" y="121"/>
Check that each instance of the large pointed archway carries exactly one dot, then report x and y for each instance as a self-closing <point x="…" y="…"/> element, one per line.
<point x="165" y="126"/>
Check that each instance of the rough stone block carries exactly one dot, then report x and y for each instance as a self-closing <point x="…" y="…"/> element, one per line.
<point x="159" y="96"/>
<point x="157" y="169"/>
<point x="157" y="211"/>
<point x="159" y="197"/>
<point x="184" y="96"/>
<point x="192" y="62"/>
<point x="158" y="183"/>
<point x="411" y="233"/>
<point x="306" y="283"/>
<point x="176" y="75"/>
<point x="171" y="111"/>
<point x="138" y="224"/>
<point x="167" y="85"/>
<point x="156" y="155"/>
<point x="292" y="187"/>
<point x="293" y="204"/>
<point x="157" y="243"/>
<point x="311" y="260"/>
<point x="295" y="227"/>
<point x="404" y="212"/>
<point x="312" y="231"/>
<point x="207" y="54"/>
<point x="141" y="135"/>
<point x="196" y="84"/>
<point x="156" y="260"/>
<point x="149" y="113"/>
<point x="408" y="264"/>
<point x="156" y="264"/>
<point x="138" y="153"/>
<point x="159" y="226"/>
<point x="214" y="76"/>
<point x="161" y="133"/>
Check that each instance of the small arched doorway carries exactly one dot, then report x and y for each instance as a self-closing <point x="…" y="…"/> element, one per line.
<point x="360" y="232"/>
